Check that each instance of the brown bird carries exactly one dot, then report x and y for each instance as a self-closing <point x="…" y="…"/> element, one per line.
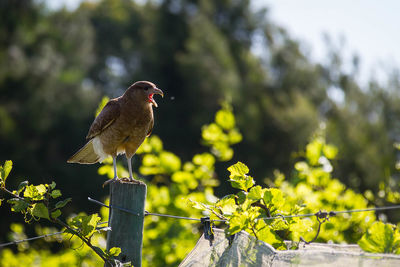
<point x="121" y="127"/>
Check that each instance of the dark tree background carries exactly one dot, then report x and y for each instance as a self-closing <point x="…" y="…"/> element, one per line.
<point x="56" y="65"/>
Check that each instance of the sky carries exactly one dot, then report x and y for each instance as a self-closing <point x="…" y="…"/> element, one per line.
<point x="370" y="28"/>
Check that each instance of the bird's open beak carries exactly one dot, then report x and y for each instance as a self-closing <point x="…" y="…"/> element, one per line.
<point x="154" y="91"/>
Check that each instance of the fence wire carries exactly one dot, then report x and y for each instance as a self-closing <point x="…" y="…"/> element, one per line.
<point x="318" y="215"/>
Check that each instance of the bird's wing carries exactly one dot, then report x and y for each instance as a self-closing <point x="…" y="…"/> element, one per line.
<point x="151" y="127"/>
<point x="106" y="117"/>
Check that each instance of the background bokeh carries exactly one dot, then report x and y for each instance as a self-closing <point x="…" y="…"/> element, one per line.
<point x="56" y="64"/>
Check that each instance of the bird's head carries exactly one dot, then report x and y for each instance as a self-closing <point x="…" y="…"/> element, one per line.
<point x="145" y="91"/>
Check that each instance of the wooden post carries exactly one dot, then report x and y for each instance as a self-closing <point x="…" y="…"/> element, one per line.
<point x="127" y="229"/>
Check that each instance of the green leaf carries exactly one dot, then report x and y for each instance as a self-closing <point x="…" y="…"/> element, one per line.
<point x="237" y="222"/>
<point x="52" y="185"/>
<point x="55" y="193"/>
<point x="239" y="178"/>
<point x="266" y="234"/>
<point x="18" y="204"/>
<point x="379" y="238"/>
<point x="273" y="198"/>
<point x="86" y="224"/>
<point x="55" y="214"/>
<point x="114" y="251"/>
<point x="238" y="169"/>
<point x="212" y="133"/>
<point x="169" y="162"/>
<point x="225" y="119"/>
<point x="234" y="136"/>
<point x="330" y="151"/>
<point x="198" y="205"/>
<point x="61" y="204"/>
<point x="204" y="159"/>
<point x="89" y="224"/>
<point x="22" y="186"/>
<point x="227" y="205"/>
<point x="40" y="210"/>
<point x="314" y="151"/>
<point x="35" y="192"/>
<point x="256" y="193"/>
<point x="5" y="171"/>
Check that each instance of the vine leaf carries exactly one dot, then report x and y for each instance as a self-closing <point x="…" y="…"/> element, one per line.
<point x="5" y="171"/>
<point x="114" y="251"/>
<point x="40" y="210"/>
<point x="381" y="238"/>
<point x="61" y="204"/>
<point x="239" y="178"/>
<point x="18" y="205"/>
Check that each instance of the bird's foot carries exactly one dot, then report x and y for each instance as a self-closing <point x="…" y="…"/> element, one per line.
<point x="131" y="180"/>
<point x="111" y="181"/>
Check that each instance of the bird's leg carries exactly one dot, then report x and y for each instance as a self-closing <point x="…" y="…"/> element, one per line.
<point x="130" y="168"/>
<point x="131" y="179"/>
<point x="115" y="168"/>
<point x="115" y="173"/>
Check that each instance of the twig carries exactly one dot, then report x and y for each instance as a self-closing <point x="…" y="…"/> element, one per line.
<point x="11" y="193"/>
<point x="84" y="239"/>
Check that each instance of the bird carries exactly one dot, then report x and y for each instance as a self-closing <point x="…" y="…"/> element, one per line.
<point x="120" y="128"/>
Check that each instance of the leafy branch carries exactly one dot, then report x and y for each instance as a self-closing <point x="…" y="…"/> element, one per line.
<point x="37" y="202"/>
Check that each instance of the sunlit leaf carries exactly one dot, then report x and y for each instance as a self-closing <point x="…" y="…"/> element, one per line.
<point x="256" y="193"/>
<point x="225" y="119"/>
<point x="40" y="210"/>
<point x="227" y="204"/>
<point x="237" y="222"/>
<point x="380" y="238"/>
<point x="314" y="150"/>
<point x="35" y="192"/>
<point x="114" y="251"/>
<point x="86" y="224"/>
<point x="330" y="151"/>
<point x="238" y="169"/>
<point x="6" y="169"/>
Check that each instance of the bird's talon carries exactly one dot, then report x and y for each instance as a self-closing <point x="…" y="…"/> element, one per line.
<point x="110" y="181"/>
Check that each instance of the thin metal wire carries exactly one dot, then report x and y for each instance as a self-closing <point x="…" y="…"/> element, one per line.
<point x="146" y="213"/>
<point x="332" y="213"/>
<point x="29" y="239"/>
<point x="319" y="213"/>
<point x="112" y="206"/>
<point x="46" y="235"/>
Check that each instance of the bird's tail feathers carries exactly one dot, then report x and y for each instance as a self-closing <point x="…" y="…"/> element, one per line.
<point x="85" y="155"/>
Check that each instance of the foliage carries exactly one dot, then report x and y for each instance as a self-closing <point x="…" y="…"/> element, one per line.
<point x="311" y="189"/>
<point x="37" y="202"/>
<point x="173" y="185"/>
<point x="381" y="238"/>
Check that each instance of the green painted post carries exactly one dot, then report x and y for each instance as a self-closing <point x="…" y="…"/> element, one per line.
<point x="127" y="229"/>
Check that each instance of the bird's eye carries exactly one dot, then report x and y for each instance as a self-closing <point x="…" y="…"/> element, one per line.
<point x="146" y="88"/>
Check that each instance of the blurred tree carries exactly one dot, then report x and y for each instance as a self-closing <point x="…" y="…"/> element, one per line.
<point x="46" y="104"/>
<point x="54" y="66"/>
